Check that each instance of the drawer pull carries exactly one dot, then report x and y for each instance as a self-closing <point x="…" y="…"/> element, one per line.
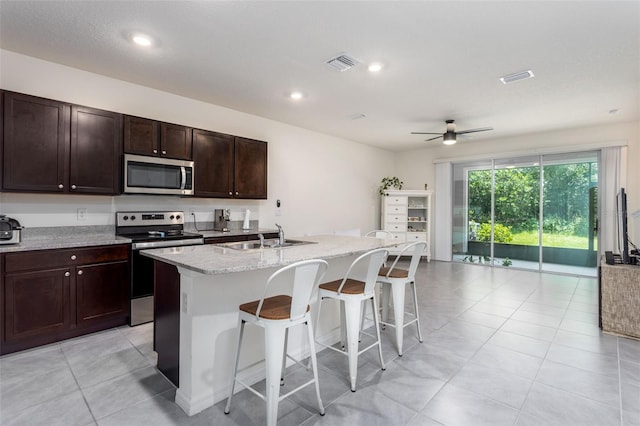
<point x="80" y="272"/>
<point x="61" y="186"/>
<point x="67" y="274"/>
<point x="73" y="257"/>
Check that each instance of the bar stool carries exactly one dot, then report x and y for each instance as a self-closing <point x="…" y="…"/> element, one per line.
<point x="276" y="314"/>
<point x="393" y="281"/>
<point x="357" y="285"/>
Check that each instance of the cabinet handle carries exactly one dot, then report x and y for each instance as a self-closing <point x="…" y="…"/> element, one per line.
<point x="80" y="272"/>
<point x="67" y="274"/>
<point x="236" y="192"/>
<point x="155" y="151"/>
<point x="230" y="193"/>
<point x="73" y="187"/>
<point x="61" y="186"/>
<point x="73" y="257"/>
<point x="164" y="152"/>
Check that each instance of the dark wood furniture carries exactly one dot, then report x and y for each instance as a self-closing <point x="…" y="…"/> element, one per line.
<point x="229" y="166"/>
<point x="143" y="136"/>
<point x="52" y="146"/>
<point x="52" y="295"/>
<point x="166" y="327"/>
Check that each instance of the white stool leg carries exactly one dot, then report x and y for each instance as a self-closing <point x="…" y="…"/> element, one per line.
<point x="314" y="365"/>
<point x="343" y="331"/>
<point x="284" y="356"/>
<point x="415" y="308"/>
<point x="398" y="312"/>
<point x="352" y="317"/>
<point x="274" y="338"/>
<point x="376" y="320"/>
<point x="384" y="301"/>
<point x="235" y="366"/>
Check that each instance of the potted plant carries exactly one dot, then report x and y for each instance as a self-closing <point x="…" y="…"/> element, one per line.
<point x="389" y="182"/>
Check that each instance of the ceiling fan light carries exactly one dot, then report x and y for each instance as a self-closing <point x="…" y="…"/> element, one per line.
<point x="449" y="138"/>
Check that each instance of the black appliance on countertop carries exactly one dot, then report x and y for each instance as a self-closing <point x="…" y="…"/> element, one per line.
<point x="147" y="230"/>
<point x="9" y="230"/>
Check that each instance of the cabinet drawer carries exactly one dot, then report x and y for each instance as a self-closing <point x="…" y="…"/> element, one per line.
<point x="395" y="209"/>
<point x="395" y="227"/>
<point x="416" y="236"/>
<point x="394" y="218"/>
<point x="46" y="259"/>
<point x="400" y="201"/>
<point x="398" y="237"/>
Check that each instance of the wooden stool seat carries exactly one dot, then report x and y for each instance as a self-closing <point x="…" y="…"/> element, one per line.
<point x="395" y="273"/>
<point x="273" y="308"/>
<point x="351" y="286"/>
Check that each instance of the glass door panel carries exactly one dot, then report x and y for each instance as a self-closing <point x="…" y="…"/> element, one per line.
<point x="570" y="213"/>
<point x="516" y="224"/>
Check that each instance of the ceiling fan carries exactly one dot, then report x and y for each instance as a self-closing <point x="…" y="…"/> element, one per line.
<point x="449" y="137"/>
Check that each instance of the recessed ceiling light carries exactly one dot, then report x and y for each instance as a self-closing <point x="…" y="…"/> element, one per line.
<point x="375" y="67"/>
<point x="142" y="40"/>
<point x="296" y="96"/>
<point x="516" y="76"/>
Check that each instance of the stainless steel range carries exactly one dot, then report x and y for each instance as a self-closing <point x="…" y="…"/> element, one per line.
<point x="150" y="229"/>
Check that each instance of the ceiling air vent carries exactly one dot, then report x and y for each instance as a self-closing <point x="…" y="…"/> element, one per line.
<point x="522" y="75"/>
<point x="342" y="62"/>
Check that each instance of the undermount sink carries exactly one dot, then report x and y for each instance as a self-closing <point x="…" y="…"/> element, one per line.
<point x="268" y="244"/>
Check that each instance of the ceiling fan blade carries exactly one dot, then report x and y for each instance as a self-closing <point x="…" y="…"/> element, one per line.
<point x="483" y="129"/>
<point x="432" y="139"/>
<point x="425" y="133"/>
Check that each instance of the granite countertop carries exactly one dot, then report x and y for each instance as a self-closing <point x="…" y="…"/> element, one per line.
<point x="64" y="237"/>
<point x="212" y="259"/>
<point x="59" y="237"/>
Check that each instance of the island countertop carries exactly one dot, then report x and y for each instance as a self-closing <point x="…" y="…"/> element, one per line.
<point x="211" y="259"/>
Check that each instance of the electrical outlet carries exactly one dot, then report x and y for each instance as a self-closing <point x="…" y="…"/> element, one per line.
<point x="184" y="303"/>
<point x="82" y="214"/>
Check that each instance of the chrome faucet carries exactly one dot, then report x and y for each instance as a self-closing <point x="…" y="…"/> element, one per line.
<point x="280" y="235"/>
<point x="261" y="240"/>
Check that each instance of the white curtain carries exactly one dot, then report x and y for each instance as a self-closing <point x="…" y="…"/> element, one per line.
<point x="613" y="172"/>
<point x="443" y="213"/>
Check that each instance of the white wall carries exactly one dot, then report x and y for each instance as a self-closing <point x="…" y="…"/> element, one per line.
<point x="324" y="183"/>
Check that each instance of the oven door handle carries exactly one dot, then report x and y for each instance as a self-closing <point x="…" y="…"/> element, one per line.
<point x="183" y="173"/>
<point x="165" y="244"/>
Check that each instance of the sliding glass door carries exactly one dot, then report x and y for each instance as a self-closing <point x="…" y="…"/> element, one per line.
<point x="533" y="212"/>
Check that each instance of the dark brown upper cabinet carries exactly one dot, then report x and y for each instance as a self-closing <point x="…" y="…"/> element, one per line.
<point x="143" y="136"/>
<point x="229" y="167"/>
<point x="52" y="146"/>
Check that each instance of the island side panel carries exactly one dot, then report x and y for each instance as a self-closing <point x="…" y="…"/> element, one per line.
<point x="166" y="327"/>
<point x="208" y="331"/>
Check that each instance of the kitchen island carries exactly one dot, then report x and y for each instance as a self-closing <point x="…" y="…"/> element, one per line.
<point x="213" y="282"/>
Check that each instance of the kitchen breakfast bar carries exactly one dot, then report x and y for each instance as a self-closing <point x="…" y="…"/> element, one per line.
<point x="213" y="281"/>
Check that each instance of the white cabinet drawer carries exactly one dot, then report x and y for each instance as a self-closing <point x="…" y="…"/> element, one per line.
<point x="395" y="227"/>
<point x="398" y="237"/>
<point x="391" y="218"/>
<point x="399" y="201"/>
<point x="416" y="236"/>
<point x="394" y="209"/>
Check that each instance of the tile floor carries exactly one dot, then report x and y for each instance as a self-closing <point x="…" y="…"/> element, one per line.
<point x="501" y="347"/>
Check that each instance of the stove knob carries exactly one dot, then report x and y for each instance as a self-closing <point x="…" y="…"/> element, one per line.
<point x="172" y="217"/>
<point x="133" y="218"/>
<point x="178" y="217"/>
<point x="125" y="217"/>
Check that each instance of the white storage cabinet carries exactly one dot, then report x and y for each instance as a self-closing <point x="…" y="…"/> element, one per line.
<point x="407" y="216"/>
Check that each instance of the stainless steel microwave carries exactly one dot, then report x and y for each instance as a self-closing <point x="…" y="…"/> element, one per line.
<point x="156" y="175"/>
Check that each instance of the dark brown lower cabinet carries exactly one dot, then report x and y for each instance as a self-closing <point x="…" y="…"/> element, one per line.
<point x="52" y="295"/>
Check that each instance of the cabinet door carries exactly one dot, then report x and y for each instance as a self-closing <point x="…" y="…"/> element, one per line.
<point x="37" y="304"/>
<point x="36" y="143"/>
<point x="213" y="164"/>
<point x="102" y="292"/>
<point x="96" y="141"/>
<point x="175" y="141"/>
<point x="250" y="169"/>
<point x="141" y="136"/>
